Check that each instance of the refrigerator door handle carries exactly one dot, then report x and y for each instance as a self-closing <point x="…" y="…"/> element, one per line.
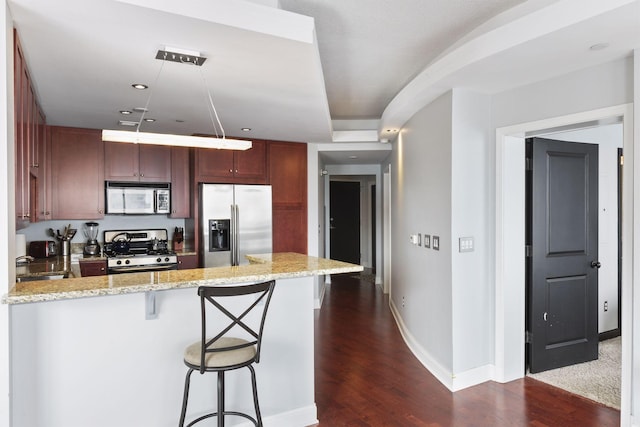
<point x="237" y="249"/>
<point x="232" y="237"/>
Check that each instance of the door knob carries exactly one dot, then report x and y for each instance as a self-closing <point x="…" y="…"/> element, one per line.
<point x="595" y="264"/>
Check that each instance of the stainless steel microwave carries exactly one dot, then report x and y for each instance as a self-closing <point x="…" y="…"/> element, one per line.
<point x="134" y="198"/>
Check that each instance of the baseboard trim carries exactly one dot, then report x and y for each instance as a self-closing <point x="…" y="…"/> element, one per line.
<point x="305" y="416"/>
<point x="609" y="334"/>
<point x="447" y="378"/>
<point x="437" y="370"/>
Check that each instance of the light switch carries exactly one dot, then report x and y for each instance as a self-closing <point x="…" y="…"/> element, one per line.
<point x="435" y="242"/>
<point x="465" y="244"/>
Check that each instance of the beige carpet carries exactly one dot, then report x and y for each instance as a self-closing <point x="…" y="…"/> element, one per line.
<point x="597" y="380"/>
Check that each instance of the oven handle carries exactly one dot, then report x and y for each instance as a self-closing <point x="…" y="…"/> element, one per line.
<point x="141" y="269"/>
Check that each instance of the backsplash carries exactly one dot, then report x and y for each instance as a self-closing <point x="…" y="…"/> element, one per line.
<point x="38" y="230"/>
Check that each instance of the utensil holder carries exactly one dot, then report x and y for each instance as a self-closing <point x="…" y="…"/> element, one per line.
<point x="66" y="247"/>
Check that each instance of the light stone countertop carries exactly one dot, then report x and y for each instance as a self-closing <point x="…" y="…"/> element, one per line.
<point x="262" y="268"/>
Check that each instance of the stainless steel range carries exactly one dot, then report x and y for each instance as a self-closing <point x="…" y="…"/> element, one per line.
<point x="131" y="251"/>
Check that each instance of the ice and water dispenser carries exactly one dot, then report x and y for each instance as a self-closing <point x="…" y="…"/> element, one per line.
<point x="219" y="235"/>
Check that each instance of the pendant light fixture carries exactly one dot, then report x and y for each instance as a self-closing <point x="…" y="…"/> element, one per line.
<point x="137" y="137"/>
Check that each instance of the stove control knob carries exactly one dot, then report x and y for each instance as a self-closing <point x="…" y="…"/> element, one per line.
<point x="166" y="259"/>
<point x="127" y="262"/>
<point x="119" y="262"/>
<point x="159" y="260"/>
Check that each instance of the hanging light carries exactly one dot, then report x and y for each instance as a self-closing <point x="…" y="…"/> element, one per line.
<point x="137" y="137"/>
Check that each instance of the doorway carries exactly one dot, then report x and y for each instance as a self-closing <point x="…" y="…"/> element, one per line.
<point x="344" y="221"/>
<point x="561" y="253"/>
<point x="510" y="214"/>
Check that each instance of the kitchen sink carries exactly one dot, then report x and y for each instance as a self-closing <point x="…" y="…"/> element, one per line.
<point x="36" y="278"/>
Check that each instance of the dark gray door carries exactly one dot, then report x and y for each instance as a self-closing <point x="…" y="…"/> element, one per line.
<point x="562" y="269"/>
<point x="344" y="220"/>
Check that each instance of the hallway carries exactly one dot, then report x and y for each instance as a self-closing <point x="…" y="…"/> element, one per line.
<point x="366" y="376"/>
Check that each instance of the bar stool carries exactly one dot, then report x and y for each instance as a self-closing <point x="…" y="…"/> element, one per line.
<point x="224" y="353"/>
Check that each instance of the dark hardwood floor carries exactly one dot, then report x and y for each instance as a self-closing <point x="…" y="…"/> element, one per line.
<point x="366" y="376"/>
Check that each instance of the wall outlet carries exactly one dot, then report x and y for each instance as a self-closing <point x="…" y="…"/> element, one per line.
<point x="427" y="241"/>
<point x="435" y="242"/>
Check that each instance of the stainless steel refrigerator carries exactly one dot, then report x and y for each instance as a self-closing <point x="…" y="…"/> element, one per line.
<point x="235" y="221"/>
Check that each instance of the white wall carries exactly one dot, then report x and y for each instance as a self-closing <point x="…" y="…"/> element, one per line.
<point x="421" y="295"/>
<point x="585" y="90"/>
<point x="97" y="362"/>
<point x="7" y="207"/>
<point x="472" y="195"/>
<point x="609" y="139"/>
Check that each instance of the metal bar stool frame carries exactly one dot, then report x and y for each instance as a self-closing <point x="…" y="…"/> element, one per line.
<point x="210" y="348"/>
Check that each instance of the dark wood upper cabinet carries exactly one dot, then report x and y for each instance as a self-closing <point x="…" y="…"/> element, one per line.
<point x="180" y="183"/>
<point x="233" y="167"/>
<point x="77" y="173"/>
<point x="29" y="141"/>
<point x="137" y="162"/>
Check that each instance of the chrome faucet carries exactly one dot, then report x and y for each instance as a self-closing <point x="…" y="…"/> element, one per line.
<point x="24" y="258"/>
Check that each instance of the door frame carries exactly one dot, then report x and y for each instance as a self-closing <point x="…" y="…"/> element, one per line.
<point x="509" y="242"/>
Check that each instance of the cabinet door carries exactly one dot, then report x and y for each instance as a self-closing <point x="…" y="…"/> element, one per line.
<point x="93" y="268"/>
<point x="288" y="179"/>
<point x="154" y="163"/>
<point x="180" y="183"/>
<point x="44" y="179"/>
<point x="77" y="173"/>
<point x="121" y="161"/>
<point x="250" y="166"/>
<point x="214" y="165"/>
<point x="186" y="262"/>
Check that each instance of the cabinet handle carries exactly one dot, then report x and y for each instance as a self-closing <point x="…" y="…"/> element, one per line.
<point x="141" y="174"/>
<point x="36" y="165"/>
<point x="230" y="170"/>
<point x="236" y="170"/>
<point x="99" y="211"/>
<point x="135" y="174"/>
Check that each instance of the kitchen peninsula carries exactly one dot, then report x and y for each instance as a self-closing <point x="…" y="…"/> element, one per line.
<point x="81" y="358"/>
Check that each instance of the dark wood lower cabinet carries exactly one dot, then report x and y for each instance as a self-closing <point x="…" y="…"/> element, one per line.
<point x="93" y="268"/>
<point x="186" y="262"/>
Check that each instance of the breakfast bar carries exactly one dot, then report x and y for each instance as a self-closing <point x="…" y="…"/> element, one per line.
<point x="107" y="351"/>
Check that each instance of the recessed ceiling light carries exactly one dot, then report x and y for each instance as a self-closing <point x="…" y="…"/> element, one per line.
<point x="127" y="123"/>
<point x="353" y="157"/>
<point x="140" y="110"/>
<point x="392" y="130"/>
<point x="599" y="46"/>
<point x="245" y="129"/>
<point x="150" y="120"/>
<point x="125" y="112"/>
<point x="179" y="121"/>
<point x="139" y="86"/>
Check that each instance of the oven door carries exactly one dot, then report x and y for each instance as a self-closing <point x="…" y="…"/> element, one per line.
<point x="142" y="268"/>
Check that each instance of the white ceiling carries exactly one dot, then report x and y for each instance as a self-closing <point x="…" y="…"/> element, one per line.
<point x="287" y="73"/>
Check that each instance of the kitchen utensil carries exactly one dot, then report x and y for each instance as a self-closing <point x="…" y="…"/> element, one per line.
<point x="90" y="230"/>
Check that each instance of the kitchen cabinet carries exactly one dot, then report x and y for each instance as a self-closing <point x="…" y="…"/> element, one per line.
<point x="288" y="179"/>
<point x="137" y="162"/>
<point x="180" y="183"/>
<point x="29" y="139"/>
<point x="77" y="173"/>
<point x="96" y="267"/>
<point x="43" y="192"/>
<point x="231" y="166"/>
<point x="186" y="262"/>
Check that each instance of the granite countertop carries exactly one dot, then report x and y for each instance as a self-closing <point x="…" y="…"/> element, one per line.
<point x="262" y="268"/>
